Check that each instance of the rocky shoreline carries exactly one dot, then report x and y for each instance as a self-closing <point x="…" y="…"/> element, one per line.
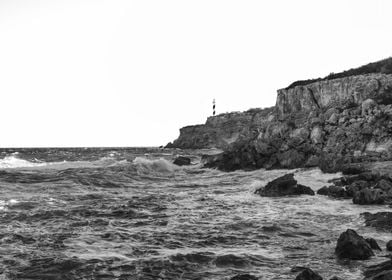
<point x="341" y="123"/>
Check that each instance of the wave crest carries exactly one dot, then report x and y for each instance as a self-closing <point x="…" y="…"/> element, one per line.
<point x="160" y="165"/>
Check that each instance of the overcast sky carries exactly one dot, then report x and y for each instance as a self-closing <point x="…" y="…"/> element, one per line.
<point x="131" y="73"/>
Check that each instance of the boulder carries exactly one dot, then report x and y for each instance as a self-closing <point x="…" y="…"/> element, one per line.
<point x="333" y="191"/>
<point x="323" y="191"/>
<point x="352" y="246"/>
<point x="368" y="196"/>
<point x="373" y="244"/>
<point x="308" y="274"/>
<point x="282" y="186"/>
<point x="180" y="160"/>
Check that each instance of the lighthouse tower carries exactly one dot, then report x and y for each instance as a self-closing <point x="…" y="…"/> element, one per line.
<point x="213" y="107"/>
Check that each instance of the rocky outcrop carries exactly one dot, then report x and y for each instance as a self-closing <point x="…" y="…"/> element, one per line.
<point x="327" y="123"/>
<point x="352" y="246"/>
<point x="222" y="131"/>
<point x="282" y="186"/>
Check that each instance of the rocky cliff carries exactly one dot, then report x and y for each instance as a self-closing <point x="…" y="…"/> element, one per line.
<point x="327" y="123"/>
<point x="222" y="131"/>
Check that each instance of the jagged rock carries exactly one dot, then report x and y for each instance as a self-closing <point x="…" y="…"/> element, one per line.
<point x="373" y="244"/>
<point x="350" y="245"/>
<point x="244" y="277"/>
<point x="282" y="186"/>
<point x="389" y="245"/>
<point x="335" y="278"/>
<point x="369" y="196"/>
<point x="308" y="274"/>
<point x="180" y="160"/>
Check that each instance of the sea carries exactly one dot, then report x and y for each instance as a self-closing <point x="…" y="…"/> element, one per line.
<point x="130" y="213"/>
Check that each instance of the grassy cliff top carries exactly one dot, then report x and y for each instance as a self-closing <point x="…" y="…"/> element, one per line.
<point x="383" y="66"/>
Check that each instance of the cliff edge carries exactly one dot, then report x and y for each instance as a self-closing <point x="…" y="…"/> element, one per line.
<point x="328" y="122"/>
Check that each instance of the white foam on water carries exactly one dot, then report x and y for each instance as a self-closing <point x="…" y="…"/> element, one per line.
<point x="158" y="165"/>
<point x="13" y="162"/>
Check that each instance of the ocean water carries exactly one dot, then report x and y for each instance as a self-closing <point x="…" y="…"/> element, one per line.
<point x="132" y="214"/>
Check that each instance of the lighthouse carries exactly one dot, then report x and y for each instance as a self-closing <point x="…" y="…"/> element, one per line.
<point x="213" y="107"/>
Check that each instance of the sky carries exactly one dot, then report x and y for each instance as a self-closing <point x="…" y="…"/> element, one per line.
<point x="131" y="73"/>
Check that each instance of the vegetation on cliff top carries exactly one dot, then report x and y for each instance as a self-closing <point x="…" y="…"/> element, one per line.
<point x="383" y="66"/>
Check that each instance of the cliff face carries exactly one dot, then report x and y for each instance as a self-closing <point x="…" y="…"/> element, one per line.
<point x="335" y="93"/>
<point x="221" y="131"/>
<point x="326" y="123"/>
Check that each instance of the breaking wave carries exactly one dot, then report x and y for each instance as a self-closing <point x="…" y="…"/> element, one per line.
<point x="154" y="165"/>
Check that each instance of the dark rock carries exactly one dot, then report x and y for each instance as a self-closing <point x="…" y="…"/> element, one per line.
<point x="333" y="191"/>
<point x="389" y="245"/>
<point x="384" y="185"/>
<point x="353" y="169"/>
<point x="350" y="245"/>
<point x="244" y="277"/>
<point x="180" y="160"/>
<point x="323" y="191"/>
<point x="373" y="244"/>
<point x="308" y="274"/>
<point x="230" y="260"/>
<point x="368" y="196"/>
<point x="378" y="269"/>
<point x="282" y="186"/>
<point x="335" y="278"/>
<point x="385" y="275"/>
<point x="380" y="220"/>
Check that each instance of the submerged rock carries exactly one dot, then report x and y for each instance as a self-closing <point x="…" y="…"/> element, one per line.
<point x="379" y="220"/>
<point x="244" y="277"/>
<point x="352" y="246"/>
<point x="181" y="160"/>
<point x="308" y="274"/>
<point x="282" y="186"/>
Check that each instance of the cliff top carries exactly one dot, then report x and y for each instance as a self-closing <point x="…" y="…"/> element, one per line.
<point x="383" y="66"/>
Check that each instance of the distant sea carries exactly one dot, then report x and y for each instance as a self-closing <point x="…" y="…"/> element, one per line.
<point x="130" y="213"/>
